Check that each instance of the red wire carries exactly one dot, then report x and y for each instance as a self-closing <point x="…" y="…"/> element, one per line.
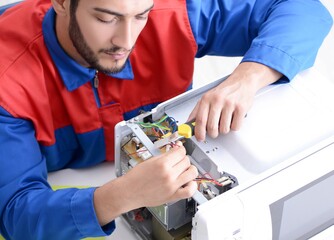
<point x="212" y="179"/>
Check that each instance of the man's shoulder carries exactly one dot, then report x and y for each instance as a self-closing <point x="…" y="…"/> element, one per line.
<point x="21" y="35"/>
<point x="168" y="4"/>
<point x="27" y="15"/>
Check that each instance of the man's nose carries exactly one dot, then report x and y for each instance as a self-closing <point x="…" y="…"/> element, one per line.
<point x="124" y="36"/>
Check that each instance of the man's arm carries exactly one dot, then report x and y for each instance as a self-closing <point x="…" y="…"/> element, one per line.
<point x="278" y="38"/>
<point x="29" y="208"/>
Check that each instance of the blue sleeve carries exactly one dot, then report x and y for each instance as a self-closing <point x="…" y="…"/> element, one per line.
<point x="29" y="208"/>
<point x="282" y="34"/>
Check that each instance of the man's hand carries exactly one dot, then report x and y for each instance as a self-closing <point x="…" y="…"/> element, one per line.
<point x="165" y="178"/>
<point x="223" y="108"/>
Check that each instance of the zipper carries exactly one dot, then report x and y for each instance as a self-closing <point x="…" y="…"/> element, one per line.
<point x="96" y="79"/>
<point x="95" y="89"/>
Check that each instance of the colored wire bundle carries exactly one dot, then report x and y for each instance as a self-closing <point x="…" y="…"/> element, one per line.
<point x="159" y="127"/>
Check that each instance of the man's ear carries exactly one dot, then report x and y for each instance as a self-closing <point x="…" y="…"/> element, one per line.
<point x="61" y="7"/>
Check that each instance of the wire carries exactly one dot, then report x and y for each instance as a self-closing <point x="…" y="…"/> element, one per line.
<point x="139" y="151"/>
<point x="172" y="123"/>
<point x="122" y="147"/>
<point x="156" y="124"/>
<point x="211" y="179"/>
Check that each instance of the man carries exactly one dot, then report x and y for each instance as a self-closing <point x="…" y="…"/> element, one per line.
<point x="71" y="69"/>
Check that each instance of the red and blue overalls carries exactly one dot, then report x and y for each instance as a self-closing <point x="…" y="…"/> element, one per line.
<point x="52" y="116"/>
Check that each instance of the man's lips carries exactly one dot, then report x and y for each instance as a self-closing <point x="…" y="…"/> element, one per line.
<point x="116" y="56"/>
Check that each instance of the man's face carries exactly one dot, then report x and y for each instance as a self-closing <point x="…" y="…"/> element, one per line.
<point x="104" y="32"/>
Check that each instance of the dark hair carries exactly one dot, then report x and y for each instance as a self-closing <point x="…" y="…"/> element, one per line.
<point x="73" y="6"/>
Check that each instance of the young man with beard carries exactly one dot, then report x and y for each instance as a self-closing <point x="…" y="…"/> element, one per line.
<point x="71" y="69"/>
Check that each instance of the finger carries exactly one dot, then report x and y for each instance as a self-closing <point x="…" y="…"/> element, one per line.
<point x="189" y="175"/>
<point x="186" y="191"/>
<point x="174" y="156"/>
<point x="201" y="120"/>
<point x="213" y="121"/>
<point x="181" y="166"/>
<point x="178" y="144"/>
<point x="226" y="118"/>
<point x="237" y="119"/>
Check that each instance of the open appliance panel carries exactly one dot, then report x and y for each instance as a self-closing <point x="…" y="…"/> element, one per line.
<point x="284" y="121"/>
<point x="125" y="129"/>
<point x="151" y="134"/>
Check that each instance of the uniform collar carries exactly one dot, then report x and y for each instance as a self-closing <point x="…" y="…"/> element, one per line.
<point x="73" y="74"/>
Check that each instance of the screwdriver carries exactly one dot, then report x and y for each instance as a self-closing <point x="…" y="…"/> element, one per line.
<point x="187" y="129"/>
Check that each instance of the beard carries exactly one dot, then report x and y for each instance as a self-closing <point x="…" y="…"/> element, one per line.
<point x="87" y="53"/>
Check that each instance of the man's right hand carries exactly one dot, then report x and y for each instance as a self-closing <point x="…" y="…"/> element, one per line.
<point x="165" y="178"/>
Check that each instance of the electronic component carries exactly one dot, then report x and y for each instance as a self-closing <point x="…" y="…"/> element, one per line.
<point x="150" y="136"/>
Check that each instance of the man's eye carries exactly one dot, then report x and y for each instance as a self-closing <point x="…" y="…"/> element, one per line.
<point x="106" y="21"/>
<point x="141" y="17"/>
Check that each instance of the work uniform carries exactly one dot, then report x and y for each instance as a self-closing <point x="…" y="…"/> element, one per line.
<point x="53" y="117"/>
